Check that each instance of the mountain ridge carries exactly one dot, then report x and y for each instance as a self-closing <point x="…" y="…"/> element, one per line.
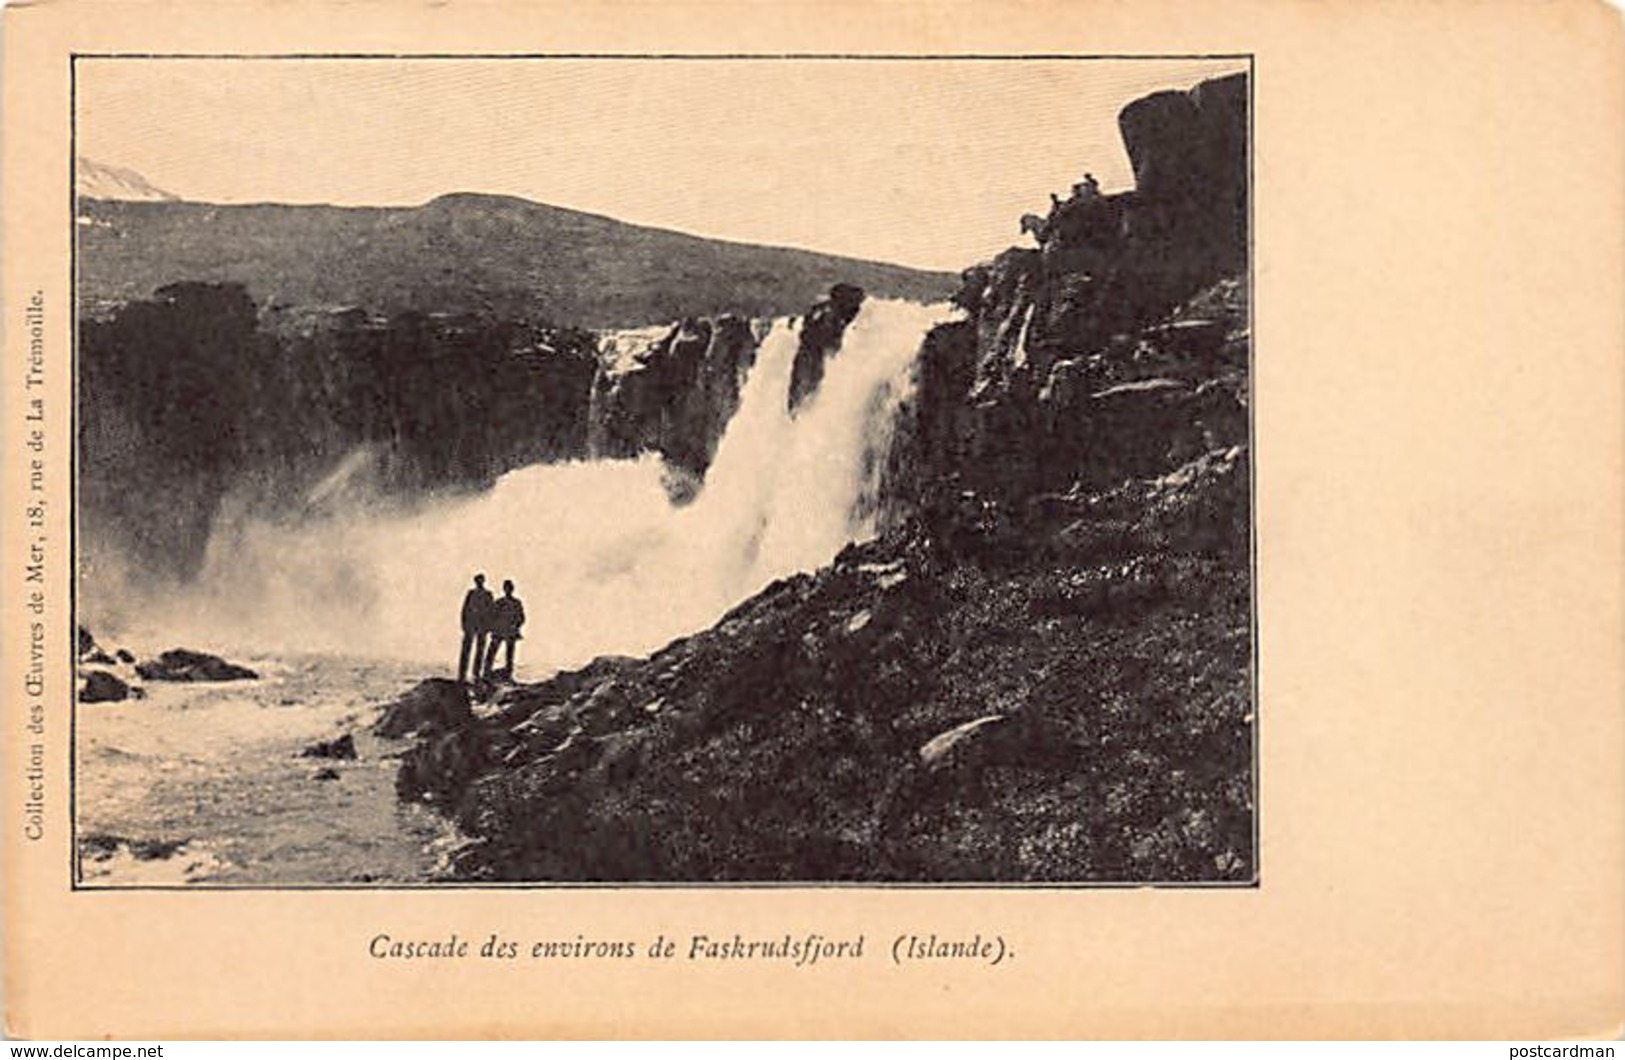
<point x="462" y="252"/>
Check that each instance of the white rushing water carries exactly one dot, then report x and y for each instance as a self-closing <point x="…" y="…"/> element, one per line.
<point x="604" y="562"/>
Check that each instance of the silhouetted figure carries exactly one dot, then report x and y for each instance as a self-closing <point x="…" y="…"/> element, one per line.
<point x="1087" y="189"/>
<point x="1037" y="226"/>
<point x="477" y="614"/>
<point x="507" y="616"/>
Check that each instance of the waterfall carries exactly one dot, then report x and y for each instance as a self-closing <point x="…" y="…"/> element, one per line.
<point x="604" y="562"/>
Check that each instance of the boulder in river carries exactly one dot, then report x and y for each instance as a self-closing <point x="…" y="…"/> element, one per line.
<point x="342" y="747"/>
<point x="93" y="651"/>
<point x="103" y="687"/>
<point x="183" y="664"/>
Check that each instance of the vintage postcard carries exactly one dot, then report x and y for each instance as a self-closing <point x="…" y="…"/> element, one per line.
<point x="829" y="520"/>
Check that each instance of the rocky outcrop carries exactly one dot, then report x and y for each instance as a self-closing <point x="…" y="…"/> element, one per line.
<point x="673" y="392"/>
<point x="1117" y="348"/>
<point x="821" y="334"/>
<point x="673" y="396"/>
<point x="435" y="705"/>
<point x="164" y="403"/>
<point x="1189" y="154"/>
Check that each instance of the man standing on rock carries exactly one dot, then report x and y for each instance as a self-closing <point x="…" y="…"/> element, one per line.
<point x="507" y="616"/>
<point x="477" y="615"/>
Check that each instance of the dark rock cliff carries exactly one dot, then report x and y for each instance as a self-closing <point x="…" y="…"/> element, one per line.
<point x="1054" y="377"/>
<point x="1040" y="671"/>
<point x="675" y="396"/>
<point x="821" y="333"/>
<point x="197" y="396"/>
<point x="194" y="396"/>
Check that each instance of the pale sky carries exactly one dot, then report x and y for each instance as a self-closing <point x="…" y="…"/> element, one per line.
<point x="924" y="163"/>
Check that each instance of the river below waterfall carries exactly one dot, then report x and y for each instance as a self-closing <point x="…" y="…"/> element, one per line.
<point x="205" y="783"/>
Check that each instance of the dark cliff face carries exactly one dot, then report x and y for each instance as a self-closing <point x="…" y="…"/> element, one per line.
<point x="821" y="334"/>
<point x="196" y="396"/>
<point x="1053" y="378"/>
<point x="166" y="406"/>
<point x="193" y="396"/>
<point x="1189" y="152"/>
<point x="675" y="396"/>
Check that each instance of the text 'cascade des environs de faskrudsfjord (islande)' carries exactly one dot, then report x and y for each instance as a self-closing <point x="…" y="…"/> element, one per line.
<point x="799" y="949"/>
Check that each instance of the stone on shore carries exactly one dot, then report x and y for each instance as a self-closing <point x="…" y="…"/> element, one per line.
<point x="435" y="705"/>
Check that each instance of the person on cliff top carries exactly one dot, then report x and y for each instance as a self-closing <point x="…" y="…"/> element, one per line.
<point x="477" y="614"/>
<point x="507" y="617"/>
<point x="1087" y="189"/>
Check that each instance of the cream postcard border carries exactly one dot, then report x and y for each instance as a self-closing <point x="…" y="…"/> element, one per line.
<point x="1438" y="350"/>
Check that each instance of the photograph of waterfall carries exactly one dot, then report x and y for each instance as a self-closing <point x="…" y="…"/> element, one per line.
<point x="594" y="471"/>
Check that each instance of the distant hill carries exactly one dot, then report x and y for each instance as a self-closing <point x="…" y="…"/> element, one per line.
<point x="459" y="253"/>
<point x="97" y="181"/>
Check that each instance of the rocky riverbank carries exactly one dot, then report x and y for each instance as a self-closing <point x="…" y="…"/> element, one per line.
<point x="1040" y="671"/>
<point x="1055" y="691"/>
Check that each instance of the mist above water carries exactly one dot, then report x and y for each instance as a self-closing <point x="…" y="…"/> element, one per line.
<point x="603" y="560"/>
